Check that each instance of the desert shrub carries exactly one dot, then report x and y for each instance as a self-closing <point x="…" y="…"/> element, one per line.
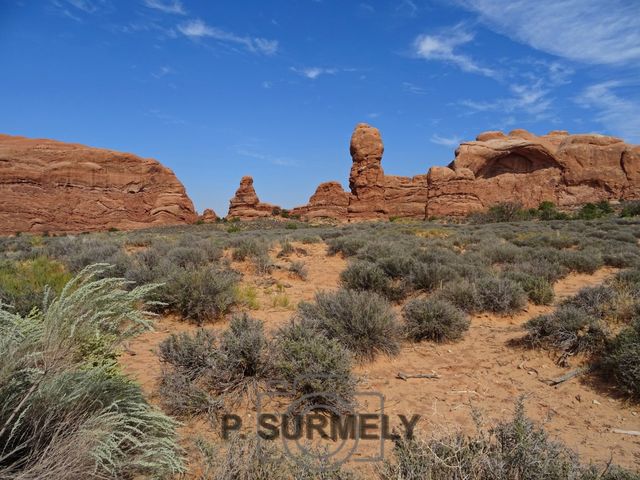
<point x="539" y="290"/>
<point x="262" y="264"/>
<point x="97" y="250"/>
<point x="317" y="368"/>
<point x="594" y="301"/>
<point x="22" y="284"/>
<point x="363" y="275"/>
<point x="429" y="276"/>
<point x="247" y="248"/>
<point x="434" y="319"/>
<point x="500" y="295"/>
<point x="591" y="211"/>
<point x="361" y="321"/>
<point x="73" y="419"/>
<point x="255" y="459"/>
<point x="190" y="354"/>
<point x="621" y="359"/>
<point x="286" y="248"/>
<point x="298" y="269"/>
<point x="347" y="246"/>
<point x="621" y="259"/>
<point x="568" y="330"/>
<point x="630" y="209"/>
<point x="187" y="257"/>
<point x="503" y="253"/>
<point x="309" y="239"/>
<point x="397" y="266"/>
<point x="202" y="295"/>
<point x="183" y="396"/>
<point x="515" y="449"/>
<point x="501" y="212"/>
<point x="247" y="295"/>
<point x="548" y="211"/>
<point x="463" y="294"/>
<point x="541" y="267"/>
<point x="582" y="261"/>
<point x="242" y="354"/>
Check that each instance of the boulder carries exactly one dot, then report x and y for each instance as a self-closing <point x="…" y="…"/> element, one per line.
<point x="51" y="186"/>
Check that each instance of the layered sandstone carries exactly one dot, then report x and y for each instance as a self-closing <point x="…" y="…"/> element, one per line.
<point x="50" y="186"/>
<point x="245" y="205"/>
<point x="568" y="170"/>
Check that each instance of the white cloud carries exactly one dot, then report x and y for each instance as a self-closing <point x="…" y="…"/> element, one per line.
<point x="452" y="141"/>
<point x="619" y="115"/>
<point x="250" y="152"/>
<point x="162" y="72"/>
<point x="195" y="29"/>
<point x="443" y="47"/>
<point x="167" y="6"/>
<point x="314" y="72"/>
<point x="71" y="8"/>
<point x="590" y="31"/>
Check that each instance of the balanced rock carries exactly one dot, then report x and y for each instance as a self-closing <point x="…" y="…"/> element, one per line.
<point x="246" y="205"/>
<point x="51" y="186"/>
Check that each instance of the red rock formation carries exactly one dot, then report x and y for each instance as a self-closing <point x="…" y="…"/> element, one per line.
<point x="52" y="186"/>
<point x="246" y="205"/>
<point x="568" y="170"/>
<point x="329" y="201"/>
<point x="208" y="216"/>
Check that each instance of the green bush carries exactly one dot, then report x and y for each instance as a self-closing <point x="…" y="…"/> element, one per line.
<point x="429" y="276"/>
<point x="568" y="330"/>
<point x="202" y="295"/>
<point x="630" y="209"/>
<point x="582" y="261"/>
<point x="361" y="321"/>
<point x="247" y="248"/>
<point x="317" y="368"/>
<point x="434" y="319"/>
<point x="22" y="284"/>
<point x="621" y="360"/>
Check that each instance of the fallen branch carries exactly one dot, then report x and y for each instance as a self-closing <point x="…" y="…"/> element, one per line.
<point x="626" y="432"/>
<point x="405" y="376"/>
<point x="568" y="376"/>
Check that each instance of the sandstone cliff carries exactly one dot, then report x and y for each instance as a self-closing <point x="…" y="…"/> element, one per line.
<point x="50" y="186"/>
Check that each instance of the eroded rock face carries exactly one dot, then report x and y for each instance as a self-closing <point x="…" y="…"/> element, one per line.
<point x="50" y="186"/>
<point x="246" y="205"/>
<point x="569" y="170"/>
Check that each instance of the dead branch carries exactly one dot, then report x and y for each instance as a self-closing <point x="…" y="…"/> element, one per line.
<point x="405" y="376"/>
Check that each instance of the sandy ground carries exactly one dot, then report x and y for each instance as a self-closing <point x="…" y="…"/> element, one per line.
<point x="483" y="371"/>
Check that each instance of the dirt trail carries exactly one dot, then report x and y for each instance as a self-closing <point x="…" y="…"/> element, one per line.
<point x="481" y="371"/>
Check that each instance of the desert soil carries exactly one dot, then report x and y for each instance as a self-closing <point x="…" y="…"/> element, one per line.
<point x="484" y="371"/>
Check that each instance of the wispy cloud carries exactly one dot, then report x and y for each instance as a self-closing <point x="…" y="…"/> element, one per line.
<point x="531" y="99"/>
<point x="250" y="152"/>
<point x="167" y="6"/>
<point x="162" y="72"/>
<point x="407" y="7"/>
<point x="74" y="8"/>
<point x="452" y="141"/>
<point x="165" y="118"/>
<point x="443" y="47"/>
<point x="413" y="88"/>
<point x="618" y="114"/>
<point x="314" y="72"/>
<point x="196" y="29"/>
<point x="590" y="31"/>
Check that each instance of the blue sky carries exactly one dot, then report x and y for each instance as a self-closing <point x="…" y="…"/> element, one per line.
<point x="220" y="89"/>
